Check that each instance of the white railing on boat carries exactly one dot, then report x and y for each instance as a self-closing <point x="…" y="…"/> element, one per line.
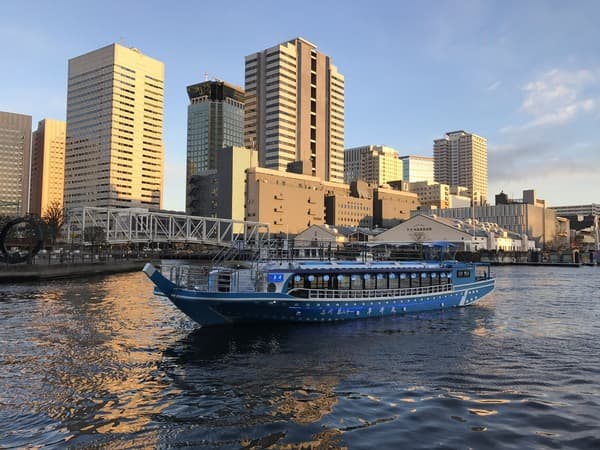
<point x="368" y="293"/>
<point x="186" y="276"/>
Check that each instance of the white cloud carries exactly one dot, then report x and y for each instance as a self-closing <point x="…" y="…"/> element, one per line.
<point x="495" y="85"/>
<point x="556" y="98"/>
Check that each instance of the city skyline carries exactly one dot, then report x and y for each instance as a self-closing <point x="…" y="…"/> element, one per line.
<point x="410" y="77"/>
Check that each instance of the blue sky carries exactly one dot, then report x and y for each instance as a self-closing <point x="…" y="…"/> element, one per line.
<point x="523" y="74"/>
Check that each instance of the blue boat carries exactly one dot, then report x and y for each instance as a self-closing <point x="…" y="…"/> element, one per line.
<point x="320" y="291"/>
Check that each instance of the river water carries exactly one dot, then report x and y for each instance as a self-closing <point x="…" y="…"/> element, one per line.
<point x="102" y="363"/>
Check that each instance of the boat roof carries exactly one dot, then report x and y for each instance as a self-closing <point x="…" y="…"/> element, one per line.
<point x="346" y="266"/>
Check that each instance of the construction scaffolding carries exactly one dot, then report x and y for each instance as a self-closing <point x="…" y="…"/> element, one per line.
<point x="135" y="225"/>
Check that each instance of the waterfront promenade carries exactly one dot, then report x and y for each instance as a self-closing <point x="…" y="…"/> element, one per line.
<point x="16" y="273"/>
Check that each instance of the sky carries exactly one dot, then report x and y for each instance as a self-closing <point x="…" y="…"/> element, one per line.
<point x="523" y="74"/>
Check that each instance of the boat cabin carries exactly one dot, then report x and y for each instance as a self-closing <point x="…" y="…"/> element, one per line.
<point x="386" y="276"/>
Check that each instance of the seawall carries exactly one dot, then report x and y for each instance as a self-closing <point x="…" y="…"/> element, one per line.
<point x="41" y="272"/>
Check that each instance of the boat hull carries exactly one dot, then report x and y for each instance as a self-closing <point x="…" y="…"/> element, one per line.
<point x="208" y="308"/>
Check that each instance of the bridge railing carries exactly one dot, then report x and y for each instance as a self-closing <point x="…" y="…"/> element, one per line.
<point x="135" y="225"/>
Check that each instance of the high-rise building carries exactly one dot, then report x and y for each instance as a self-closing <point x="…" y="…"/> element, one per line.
<point x="47" y="165"/>
<point x="15" y="154"/>
<point x="460" y="159"/>
<point x="295" y="110"/>
<point x="375" y="164"/>
<point x="114" y="150"/>
<point x="215" y="121"/>
<point x="417" y="168"/>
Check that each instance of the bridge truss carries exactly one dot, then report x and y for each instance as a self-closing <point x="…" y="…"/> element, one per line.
<point x="134" y="225"/>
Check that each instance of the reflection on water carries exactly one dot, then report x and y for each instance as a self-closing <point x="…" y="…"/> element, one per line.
<point x="102" y="362"/>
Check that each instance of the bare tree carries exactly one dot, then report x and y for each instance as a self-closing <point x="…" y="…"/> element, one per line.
<point x="419" y="237"/>
<point x="54" y="219"/>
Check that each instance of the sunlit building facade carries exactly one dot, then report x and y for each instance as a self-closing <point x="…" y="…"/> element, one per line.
<point x="460" y="159"/>
<point x="295" y="110"/>
<point x="114" y="148"/>
<point x="47" y="166"/>
<point x="376" y="164"/>
<point x="15" y="154"/>
<point x="432" y="194"/>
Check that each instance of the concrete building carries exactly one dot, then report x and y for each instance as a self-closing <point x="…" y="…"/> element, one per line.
<point x="15" y="157"/>
<point x="417" y="168"/>
<point x="459" y="197"/>
<point x="460" y="159"/>
<point x="579" y="216"/>
<point x="47" y="165"/>
<point x="114" y="149"/>
<point x="352" y="205"/>
<point x="432" y="194"/>
<point x="220" y="192"/>
<point x="375" y="164"/>
<point x="215" y="121"/>
<point x="391" y="206"/>
<point x="533" y="220"/>
<point x="291" y="202"/>
<point x="295" y="110"/>
<point x="288" y="202"/>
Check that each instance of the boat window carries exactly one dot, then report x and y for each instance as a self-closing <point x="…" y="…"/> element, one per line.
<point x="297" y="281"/>
<point x="393" y="278"/>
<point x="355" y="281"/>
<point x="343" y="282"/>
<point x="426" y="279"/>
<point x="382" y="280"/>
<point x="370" y="281"/>
<point x="463" y="273"/>
<point x="405" y="280"/>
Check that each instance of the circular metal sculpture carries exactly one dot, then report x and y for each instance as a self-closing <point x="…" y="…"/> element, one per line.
<point x="31" y="235"/>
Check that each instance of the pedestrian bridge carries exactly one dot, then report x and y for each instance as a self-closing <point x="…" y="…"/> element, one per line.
<point x="93" y="225"/>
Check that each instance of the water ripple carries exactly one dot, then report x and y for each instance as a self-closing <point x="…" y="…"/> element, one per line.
<point x="104" y="363"/>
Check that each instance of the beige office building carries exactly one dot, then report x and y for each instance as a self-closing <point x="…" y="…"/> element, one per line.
<point x="15" y="157"/>
<point x="288" y="202"/>
<point x="375" y="164"/>
<point x="295" y="110"/>
<point x="47" y="165"/>
<point x="432" y="194"/>
<point x="460" y="159"/>
<point x="114" y="149"/>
